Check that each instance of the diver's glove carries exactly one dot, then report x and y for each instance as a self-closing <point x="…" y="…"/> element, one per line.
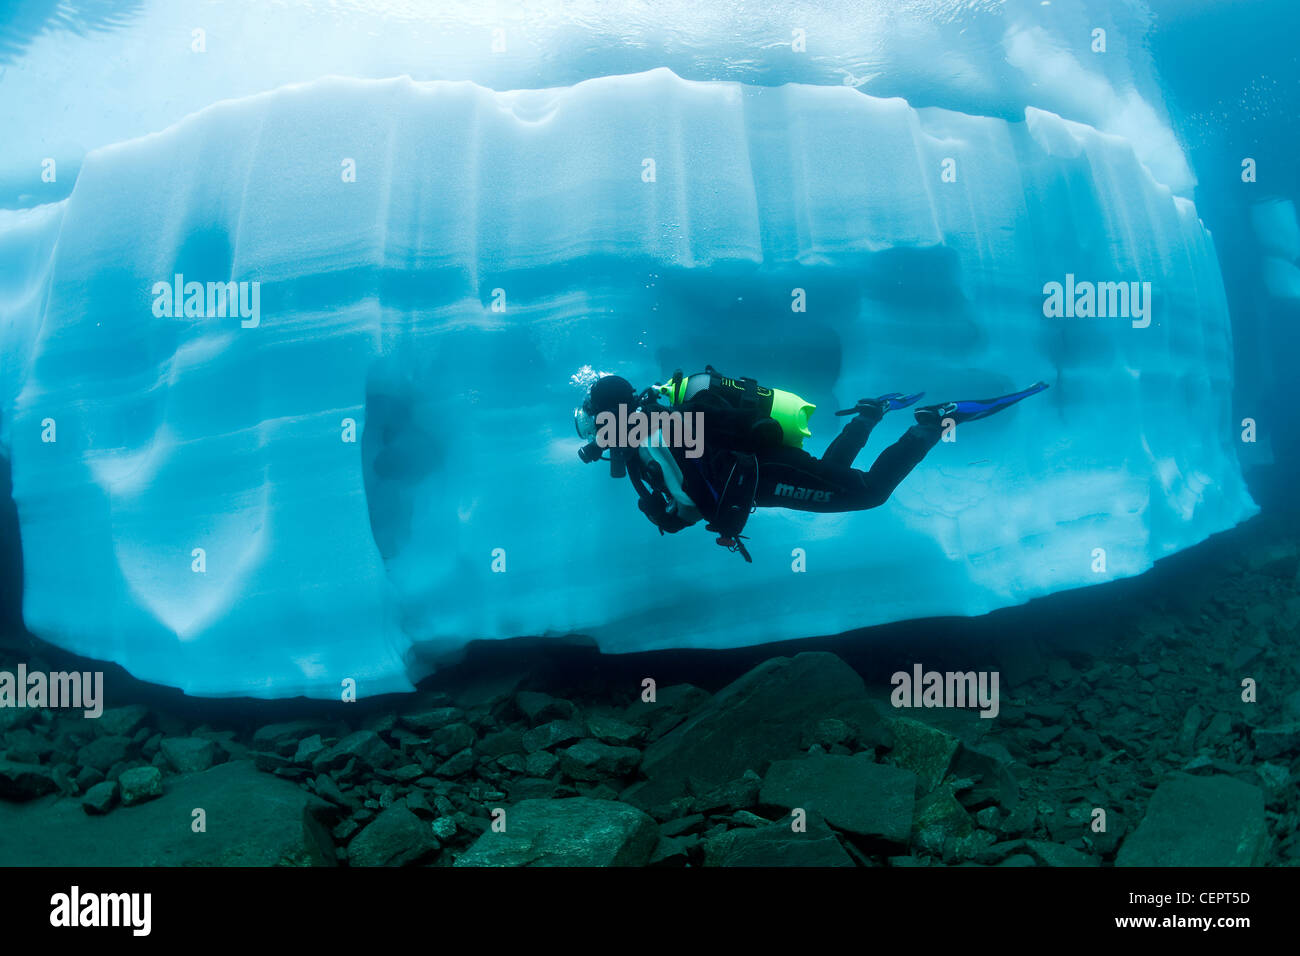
<point x="653" y="507"/>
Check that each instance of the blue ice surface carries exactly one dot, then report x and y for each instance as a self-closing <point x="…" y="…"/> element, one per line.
<point x="327" y="559"/>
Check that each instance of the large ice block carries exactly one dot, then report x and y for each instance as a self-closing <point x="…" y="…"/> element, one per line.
<point x="202" y="518"/>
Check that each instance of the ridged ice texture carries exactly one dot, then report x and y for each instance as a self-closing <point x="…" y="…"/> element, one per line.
<point x="328" y="560"/>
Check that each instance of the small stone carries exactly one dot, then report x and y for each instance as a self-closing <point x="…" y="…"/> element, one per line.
<point x="100" y="798"/>
<point x="87" y="777"/>
<point x="1191" y="724"/>
<point x="514" y="763"/>
<point x="673" y="851"/>
<point x="444" y="828"/>
<point x="457" y="764"/>
<point x="541" y="764"/>
<point x="419" y="804"/>
<point x="1216" y="731"/>
<point x="140" y="784"/>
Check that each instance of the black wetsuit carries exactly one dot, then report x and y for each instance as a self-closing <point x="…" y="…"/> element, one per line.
<point x="783" y="477"/>
<point x="792" y="478"/>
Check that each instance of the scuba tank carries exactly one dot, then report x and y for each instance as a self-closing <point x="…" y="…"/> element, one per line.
<point x="786" y="408"/>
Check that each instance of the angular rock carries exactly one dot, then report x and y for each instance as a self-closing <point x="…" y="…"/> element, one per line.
<point x="577" y="831"/>
<point x="541" y="764"/>
<point x="366" y="747"/>
<point x="189" y="754"/>
<point x="452" y="739"/>
<point x="673" y="851"/>
<point x="777" y="845"/>
<point x="739" y="794"/>
<point x="670" y="707"/>
<point x="926" y="751"/>
<point x="760" y="717"/>
<point x="988" y="764"/>
<point x="327" y="789"/>
<point x="100" y="798"/>
<point x="592" y="760"/>
<point x="501" y="744"/>
<point x="427" y="721"/>
<point x="854" y="794"/>
<point x="940" y="822"/>
<point x="1216" y="731"/>
<point x="1199" y="821"/>
<point x="1280" y="740"/>
<point x="308" y="749"/>
<point x="397" y="837"/>
<point x="102" y="752"/>
<point x="122" y="721"/>
<point x="557" y="733"/>
<point x="611" y="730"/>
<point x="457" y="764"/>
<point x="283" y="738"/>
<point x="542" y="708"/>
<point x="140" y="784"/>
<point x="1055" y="854"/>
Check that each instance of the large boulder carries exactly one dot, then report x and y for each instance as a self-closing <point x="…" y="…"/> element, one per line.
<point x="396" y="837"/>
<point x="251" y="819"/>
<point x="1199" y="821"/>
<point x="760" y="717"/>
<point x="578" y="831"/>
<point x="853" y="794"/>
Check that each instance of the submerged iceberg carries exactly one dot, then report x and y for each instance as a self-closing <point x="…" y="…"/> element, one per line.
<point x="374" y="463"/>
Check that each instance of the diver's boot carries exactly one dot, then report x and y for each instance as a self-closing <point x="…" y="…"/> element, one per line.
<point x="971" y="409"/>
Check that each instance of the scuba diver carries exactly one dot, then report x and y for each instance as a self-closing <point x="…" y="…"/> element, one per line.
<point x="709" y="448"/>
